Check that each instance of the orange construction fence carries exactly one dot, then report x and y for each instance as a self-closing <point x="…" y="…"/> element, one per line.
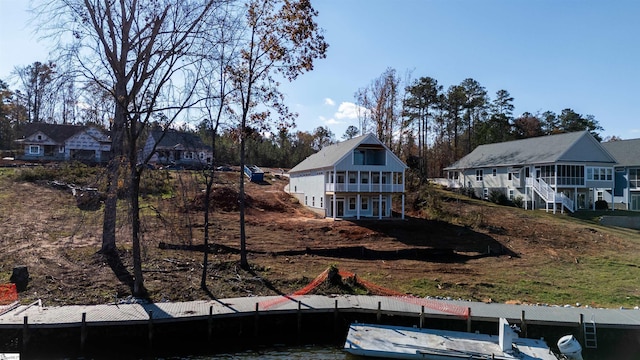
<point x="8" y="294"/>
<point x="442" y="306"/>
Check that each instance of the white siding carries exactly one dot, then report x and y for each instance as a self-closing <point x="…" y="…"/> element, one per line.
<point x="310" y="186"/>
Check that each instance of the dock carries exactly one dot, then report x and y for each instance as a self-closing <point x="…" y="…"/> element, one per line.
<point x="339" y="310"/>
<point x="108" y="314"/>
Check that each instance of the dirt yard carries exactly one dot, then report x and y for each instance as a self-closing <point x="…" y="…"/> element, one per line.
<point x="479" y="253"/>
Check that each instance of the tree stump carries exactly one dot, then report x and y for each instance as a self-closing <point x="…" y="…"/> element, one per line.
<point x="20" y="277"/>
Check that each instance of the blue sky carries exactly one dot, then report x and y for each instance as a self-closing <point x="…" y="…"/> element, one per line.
<point x="549" y="54"/>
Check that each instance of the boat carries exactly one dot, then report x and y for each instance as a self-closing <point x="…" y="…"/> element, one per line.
<point x="396" y="342"/>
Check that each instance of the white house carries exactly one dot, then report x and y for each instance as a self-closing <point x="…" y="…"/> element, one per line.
<point x="566" y="171"/>
<point x="626" y="194"/>
<point x="60" y="142"/>
<point x="355" y="178"/>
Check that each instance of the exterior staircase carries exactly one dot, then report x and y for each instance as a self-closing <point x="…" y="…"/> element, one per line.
<point x="550" y="196"/>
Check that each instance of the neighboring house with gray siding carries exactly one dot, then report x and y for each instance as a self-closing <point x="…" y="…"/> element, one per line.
<point x="62" y="142"/>
<point x="563" y="171"/>
<point x="355" y="178"/>
<point x="176" y="148"/>
<point x="626" y="194"/>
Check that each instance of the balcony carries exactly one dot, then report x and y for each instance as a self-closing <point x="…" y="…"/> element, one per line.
<point x="363" y="188"/>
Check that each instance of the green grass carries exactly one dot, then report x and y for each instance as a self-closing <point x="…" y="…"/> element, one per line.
<point x="594" y="215"/>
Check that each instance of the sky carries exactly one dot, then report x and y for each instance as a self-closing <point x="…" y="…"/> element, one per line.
<point x="548" y="54"/>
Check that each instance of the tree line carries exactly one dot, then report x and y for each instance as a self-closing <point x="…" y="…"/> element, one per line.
<point x="430" y="127"/>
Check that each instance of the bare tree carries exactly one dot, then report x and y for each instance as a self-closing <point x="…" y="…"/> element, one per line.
<point x="140" y="52"/>
<point x="216" y="91"/>
<point x="382" y="98"/>
<point x="36" y="80"/>
<point x="281" y="38"/>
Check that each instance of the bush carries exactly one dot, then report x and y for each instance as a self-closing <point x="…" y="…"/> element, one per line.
<point x="68" y="172"/>
<point x="602" y="205"/>
<point x="498" y="197"/>
<point x="468" y="191"/>
<point x="518" y="202"/>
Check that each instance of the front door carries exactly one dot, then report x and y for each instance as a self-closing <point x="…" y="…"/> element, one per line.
<point x="635" y="202"/>
<point x="376" y="207"/>
<point x="340" y="207"/>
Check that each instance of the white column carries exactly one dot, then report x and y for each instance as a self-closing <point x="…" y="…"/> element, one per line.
<point x="380" y="206"/>
<point x="402" y="206"/>
<point x="334" y="204"/>
<point x="358" y="206"/>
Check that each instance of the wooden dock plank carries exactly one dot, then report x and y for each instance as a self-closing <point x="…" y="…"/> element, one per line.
<point x="65" y="316"/>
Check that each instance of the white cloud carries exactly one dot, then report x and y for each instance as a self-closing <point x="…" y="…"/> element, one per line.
<point x="329" y="101"/>
<point x="349" y="110"/>
<point x="326" y="121"/>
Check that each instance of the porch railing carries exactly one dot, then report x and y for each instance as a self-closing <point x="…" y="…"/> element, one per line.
<point x="549" y="194"/>
<point x="384" y="188"/>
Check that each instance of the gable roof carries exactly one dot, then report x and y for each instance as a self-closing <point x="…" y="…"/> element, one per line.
<point x="57" y="132"/>
<point x="538" y="150"/>
<point x="626" y="152"/>
<point x="330" y="155"/>
<point x="174" y="139"/>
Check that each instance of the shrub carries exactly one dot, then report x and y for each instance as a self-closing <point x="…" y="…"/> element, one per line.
<point x="468" y="191"/>
<point x="498" y="197"/>
<point x="602" y="205"/>
<point x="518" y="202"/>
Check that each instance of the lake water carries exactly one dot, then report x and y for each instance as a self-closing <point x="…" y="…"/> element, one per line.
<point x="284" y="353"/>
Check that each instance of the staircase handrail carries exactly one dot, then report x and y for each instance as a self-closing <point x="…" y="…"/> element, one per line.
<point x="548" y="194"/>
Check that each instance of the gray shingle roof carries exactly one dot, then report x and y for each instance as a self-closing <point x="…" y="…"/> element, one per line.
<point x="538" y="150"/>
<point x="626" y="152"/>
<point x="330" y="155"/>
<point x="175" y="139"/>
<point x="57" y="132"/>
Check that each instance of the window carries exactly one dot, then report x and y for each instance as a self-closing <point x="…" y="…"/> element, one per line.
<point x="61" y="149"/>
<point x="485" y="193"/>
<point x="570" y="175"/>
<point x="321" y="201"/>
<point x="510" y="194"/>
<point x="313" y="201"/>
<point x="340" y="178"/>
<point x="600" y="196"/>
<point x="599" y="174"/>
<point x="352" y="203"/>
<point x="367" y="156"/>
<point x="375" y="178"/>
<point x="364" y="203"/>
<point x="353" y="177"/>
<point x="634" y="178"/>
<point x="479" y="175"/>
<point x="39" y="137"/>
<point x="494" y="172"/>
<point x="510" y="176"/>
<point x="34" y="149"/>
<point x="364" y="178"/>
